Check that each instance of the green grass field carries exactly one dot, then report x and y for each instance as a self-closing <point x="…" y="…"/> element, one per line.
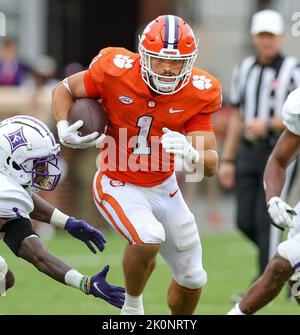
<point x="229" y="261"/>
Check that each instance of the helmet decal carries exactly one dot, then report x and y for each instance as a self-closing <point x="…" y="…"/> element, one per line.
<point x="171" y="32"/>
<point x="39" y="123"/>
<point x="16" y="139"/>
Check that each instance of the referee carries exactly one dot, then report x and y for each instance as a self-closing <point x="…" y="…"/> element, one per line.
<point x="260" y="86"/>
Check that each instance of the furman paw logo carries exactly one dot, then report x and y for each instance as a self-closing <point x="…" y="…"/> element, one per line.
<point x="201" y="82"/>
<point x="122" y="62"/>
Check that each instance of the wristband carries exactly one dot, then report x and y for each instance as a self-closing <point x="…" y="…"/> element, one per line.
<point x="74" y="278"/>
<point x="58" y="218"/>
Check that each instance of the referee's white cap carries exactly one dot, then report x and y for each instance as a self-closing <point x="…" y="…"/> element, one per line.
<point x="267" y="21"/>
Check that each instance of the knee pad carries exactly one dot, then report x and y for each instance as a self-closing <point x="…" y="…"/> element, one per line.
<point x="290" y="250"/>
<point x="3" y="268"/>
<point x="190" y="274"/>
<point x="194" y="280"/>
<point x="188" y="271"/>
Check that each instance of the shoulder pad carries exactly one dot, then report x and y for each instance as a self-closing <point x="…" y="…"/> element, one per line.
<point x="14" y="200"/>
<point x="292" y="103"/>
<point x="206" y="86"/>
<point x="291" y="112"/>
<point x="114" y="61"/>
<point x="203" y="80"/>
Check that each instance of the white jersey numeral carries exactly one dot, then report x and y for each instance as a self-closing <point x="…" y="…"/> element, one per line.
<point x="144" y="124"/>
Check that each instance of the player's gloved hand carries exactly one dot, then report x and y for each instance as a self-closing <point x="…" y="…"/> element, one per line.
<point x="69" y="136"/>
<point x="86" y="233"/>
<point x="177" y="144"/>
<point x="281" y="213"/>
<point x="99" y="288"/>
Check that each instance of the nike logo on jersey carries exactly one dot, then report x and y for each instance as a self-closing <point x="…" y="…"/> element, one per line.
<point x="171" y="110"/>
<point x="98" y="289"/>
<point x="173" y="193"/>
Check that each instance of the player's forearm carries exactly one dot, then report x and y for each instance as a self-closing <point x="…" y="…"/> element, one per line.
<point x="274" y="178"/>
<point x="47" y="263"/>
<point x="233" y="135"/>
<point x="36" y="253"/>
<point x="62" y="101"/>
<point x="45" y="212"/>
<point x="210" y="163"/>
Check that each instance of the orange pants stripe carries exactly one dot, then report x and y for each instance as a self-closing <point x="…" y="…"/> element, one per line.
<point x="118" y="210"/>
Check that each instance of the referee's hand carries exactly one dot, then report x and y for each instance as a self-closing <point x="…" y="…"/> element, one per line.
<point x="226" y="174"/>
<point x="256" y="128"/>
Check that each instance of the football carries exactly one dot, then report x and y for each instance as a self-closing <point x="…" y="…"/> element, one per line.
<point x="92" y="113"/>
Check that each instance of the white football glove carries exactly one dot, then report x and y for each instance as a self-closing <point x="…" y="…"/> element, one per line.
<point x="281" y="213"/>
<point x="177" y="144"/>
<point x="68" y="136"/>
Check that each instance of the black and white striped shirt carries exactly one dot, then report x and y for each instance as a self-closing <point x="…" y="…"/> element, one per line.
<point x="260" y="90"/>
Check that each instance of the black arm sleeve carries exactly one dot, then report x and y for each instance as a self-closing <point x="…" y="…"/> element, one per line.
<point x="15" y="231"/>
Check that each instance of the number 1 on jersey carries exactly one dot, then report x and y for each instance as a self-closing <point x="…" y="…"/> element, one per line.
<point x="144" y="124"/>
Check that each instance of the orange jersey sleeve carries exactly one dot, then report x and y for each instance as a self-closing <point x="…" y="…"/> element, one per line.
<point x="94" y="76"/>
<point x="202" y="121"/>
<point x="108" y="63"/>
<point x="90" y="86"/>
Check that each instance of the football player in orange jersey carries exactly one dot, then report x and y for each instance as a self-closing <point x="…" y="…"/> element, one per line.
<point x="156" y="98"/>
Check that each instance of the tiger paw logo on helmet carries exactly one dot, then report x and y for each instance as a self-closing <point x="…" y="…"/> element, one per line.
<point x="122" y="62"/>
<point x="201" y="82"/>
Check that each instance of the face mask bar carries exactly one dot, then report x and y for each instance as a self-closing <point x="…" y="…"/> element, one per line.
<point x="155" y="81"/>
<point x="45" y="172"/>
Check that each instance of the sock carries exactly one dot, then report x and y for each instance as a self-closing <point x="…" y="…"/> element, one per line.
<point x="236" y="310"/>
<point x="73" y="278"/>
<point x="133" y="305"/>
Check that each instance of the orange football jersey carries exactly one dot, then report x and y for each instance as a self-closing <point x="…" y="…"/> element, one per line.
<point x="137" y="115"/>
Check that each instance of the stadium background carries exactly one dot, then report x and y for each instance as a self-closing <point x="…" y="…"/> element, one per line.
<point x="55" y="38"/>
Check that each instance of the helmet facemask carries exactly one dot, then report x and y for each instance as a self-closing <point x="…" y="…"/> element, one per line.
<point x="156" y="81"/>
<point x="45" y="172"/>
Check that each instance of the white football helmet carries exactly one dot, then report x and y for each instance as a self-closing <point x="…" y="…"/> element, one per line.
<point x="29" y="153"/>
